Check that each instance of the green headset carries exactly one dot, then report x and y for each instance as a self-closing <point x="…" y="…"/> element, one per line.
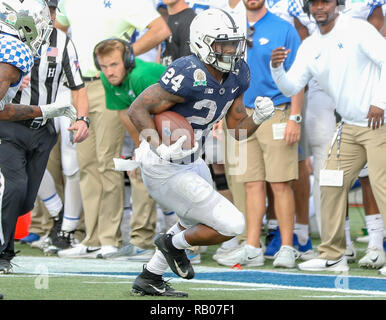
<point x="128" y="54"/>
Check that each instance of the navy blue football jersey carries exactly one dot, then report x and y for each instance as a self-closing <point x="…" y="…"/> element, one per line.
<point x="206" y="100"/>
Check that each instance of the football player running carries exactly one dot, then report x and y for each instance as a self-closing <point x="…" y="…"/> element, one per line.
<point x="203" y="87"/>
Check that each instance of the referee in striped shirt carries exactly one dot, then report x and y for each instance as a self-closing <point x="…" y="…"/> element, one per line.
<point x="28" y="143"/>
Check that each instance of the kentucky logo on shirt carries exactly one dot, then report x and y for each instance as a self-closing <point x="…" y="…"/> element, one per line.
<point x="107" y="3"/>
<point x="340" y="45"/>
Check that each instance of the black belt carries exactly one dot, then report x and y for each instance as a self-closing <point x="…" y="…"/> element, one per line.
<point x="87" y="79"/>
<point x="33" y="123"/>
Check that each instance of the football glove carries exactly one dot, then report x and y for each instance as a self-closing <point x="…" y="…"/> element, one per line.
<point x="175" y="151"/>
<point x="53" y="110"/>
<point x="264" y="110"/>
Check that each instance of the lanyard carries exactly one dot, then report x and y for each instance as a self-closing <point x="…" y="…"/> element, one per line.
<point x="337" y="137"/>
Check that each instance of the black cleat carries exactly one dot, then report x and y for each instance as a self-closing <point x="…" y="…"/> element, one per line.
<point x="63" y="240"/>
<point x="54" y="232"/>
<point x="176" y="258"/>
<point x="150" y="284"/>
<point x="5" y="261"/>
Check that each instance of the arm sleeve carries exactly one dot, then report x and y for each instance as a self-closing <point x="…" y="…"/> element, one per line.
<point x="291" y="82"/>
<point x="373" y="45"/>
<point x="71" y="66"/>
<point x="141" y="13"/>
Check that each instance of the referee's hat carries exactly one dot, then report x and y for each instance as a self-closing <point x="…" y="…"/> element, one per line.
<point x="52" y="3"/>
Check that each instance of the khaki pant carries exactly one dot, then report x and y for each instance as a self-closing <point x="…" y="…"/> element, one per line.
<point x="144" y="216"/>
<point x="268" y="159"/>
<point x="102" y="187"/>
<point x="232" y="161"/>
<point x="358" y="145"/>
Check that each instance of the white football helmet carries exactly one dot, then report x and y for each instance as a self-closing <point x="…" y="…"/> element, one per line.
<point x="216" y="40"/>
<point x="28" y="20"/>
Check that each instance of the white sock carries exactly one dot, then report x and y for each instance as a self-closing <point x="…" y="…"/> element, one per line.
<point x="347" y="232"/>
<point x="251" y="250"/>
<point x="170" y="218"/>
<point x="230" y="244"/>
<point x="49" y="196"/>
<point x="174" y="229"/>
<point x="72" y="204"/>
<point x="179" y="241"/>
<point x="301" y="230"/>
<point x="272" y="224"/>
<point x="157" y="263"/>
<point x="375" y="227"/>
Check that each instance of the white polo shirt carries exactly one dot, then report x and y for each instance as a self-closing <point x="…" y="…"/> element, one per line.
<point x="349" y="63"/>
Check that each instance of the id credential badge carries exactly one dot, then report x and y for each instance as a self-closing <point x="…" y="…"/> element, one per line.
<point x="278" y="130"/>
<point x="331" y="178"/>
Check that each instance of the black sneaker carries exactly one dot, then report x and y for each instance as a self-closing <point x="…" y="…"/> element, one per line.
<point x="151" y="284"/>
<point x="63" y="240"/>
<point x="176" y="258"/>
<point x="54" y="232"/>
<point x="5" y="261"/>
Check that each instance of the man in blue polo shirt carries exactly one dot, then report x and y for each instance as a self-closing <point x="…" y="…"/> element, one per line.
<point x="272" y="152"/>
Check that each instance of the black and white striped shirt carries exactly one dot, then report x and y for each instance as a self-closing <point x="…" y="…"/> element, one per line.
<point x="59" y="63"/>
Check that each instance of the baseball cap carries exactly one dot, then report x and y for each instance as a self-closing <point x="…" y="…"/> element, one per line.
<point x="52" y="3"/>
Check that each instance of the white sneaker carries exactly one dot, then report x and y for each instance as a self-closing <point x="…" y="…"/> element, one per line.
<point x="374" y="258"/>
<point x="221" y="252"/>
<point x="131" y="253"/>
<point x="243" y="257"/>
<point x="339" y="265"/>
<point x="43" y="243"/>
<point x="194" y="257"/>
<point x="80" y="251"/>
<point x="285" y="257"/>
<point x="105" y="250"/>
<point x="363" y="239"/>
<point x="382" y="271"/>
<point x="350" y="253"/>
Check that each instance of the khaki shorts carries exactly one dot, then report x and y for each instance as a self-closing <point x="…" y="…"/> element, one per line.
<point x="268" y="159"/>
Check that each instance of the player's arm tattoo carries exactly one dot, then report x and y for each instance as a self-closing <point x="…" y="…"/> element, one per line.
<point x="238" y="120"/>
<point x="153" y="100"/>
<point x="12" y="112"/>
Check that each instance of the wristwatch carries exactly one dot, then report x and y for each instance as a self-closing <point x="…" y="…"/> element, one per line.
<point x="85" y="119"/>
<point x="296" y="117"/>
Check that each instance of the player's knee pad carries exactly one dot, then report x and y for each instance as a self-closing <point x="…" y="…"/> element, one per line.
<point x="229" y="220"/>
<point x="220" y="181"/>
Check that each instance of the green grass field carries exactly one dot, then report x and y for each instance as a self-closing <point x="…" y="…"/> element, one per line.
<point x="38" y="277"/>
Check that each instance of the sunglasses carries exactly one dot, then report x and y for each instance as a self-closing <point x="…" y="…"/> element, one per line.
<point x="250" y="32"/>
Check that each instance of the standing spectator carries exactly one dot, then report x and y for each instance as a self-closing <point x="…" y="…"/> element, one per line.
<point x="342" y="45"/>
<point x="272" y="152"/>
<point x="320" y="122"/>
<point x="124" y="78"/>
<point x="102" y="188"/>
<point x="25" y="145"/>
<point x="179" y="18"/>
